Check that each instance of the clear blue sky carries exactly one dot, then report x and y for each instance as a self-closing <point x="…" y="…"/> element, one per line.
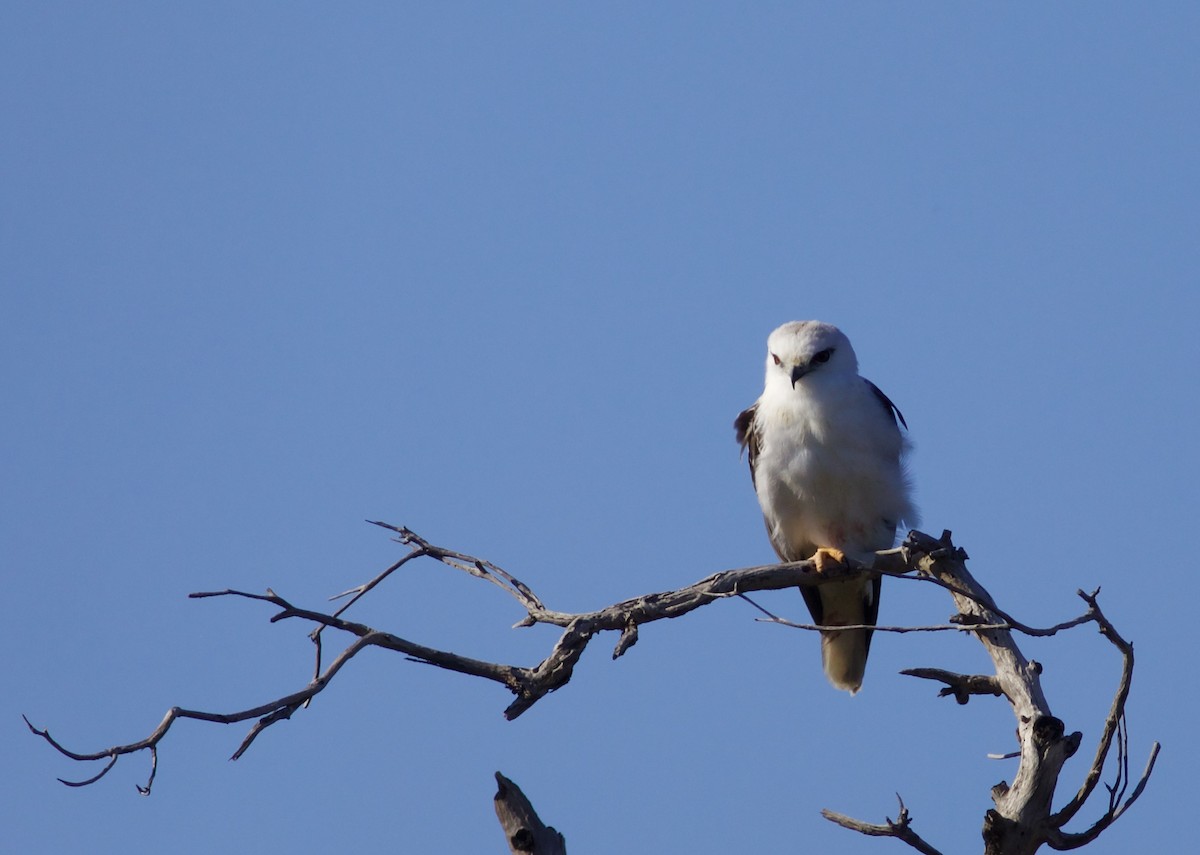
<point x="504" y="273"/>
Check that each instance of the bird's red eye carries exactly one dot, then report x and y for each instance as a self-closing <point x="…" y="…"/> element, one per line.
<point x="778" y="361"/>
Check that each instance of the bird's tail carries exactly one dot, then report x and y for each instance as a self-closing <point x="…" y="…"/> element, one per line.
<point x="844" y="652"/>
<point x="844" y="655"/>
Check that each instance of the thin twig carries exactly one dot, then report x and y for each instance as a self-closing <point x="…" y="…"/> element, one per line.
<point x="942" y="627"/>
<point x="901" y="829"/>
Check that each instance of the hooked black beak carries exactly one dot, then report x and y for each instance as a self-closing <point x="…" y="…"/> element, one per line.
<point x="797" y="372"/>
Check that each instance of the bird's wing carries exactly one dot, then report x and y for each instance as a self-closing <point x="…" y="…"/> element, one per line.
<point x="747" y="435"/>
<point x="872" y="608"/>
<point x="891" y="408"/>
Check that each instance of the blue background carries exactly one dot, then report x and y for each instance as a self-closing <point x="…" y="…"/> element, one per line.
<point x="504" y="273"/>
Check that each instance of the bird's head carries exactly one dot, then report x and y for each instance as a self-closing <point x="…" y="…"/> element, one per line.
<point x="800" y="348"/>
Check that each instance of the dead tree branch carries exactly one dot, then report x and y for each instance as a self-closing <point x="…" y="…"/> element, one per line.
<point x="900" y="829"/>
<point x="524" y="831"/>
<point x="1019" y="824"/>
<point x="1021" y="821"/>
<point x="528" y="684"/>
<point x="961" y="686"/>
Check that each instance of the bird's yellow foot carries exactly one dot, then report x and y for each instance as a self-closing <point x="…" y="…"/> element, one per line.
<point x="827" y="556"/>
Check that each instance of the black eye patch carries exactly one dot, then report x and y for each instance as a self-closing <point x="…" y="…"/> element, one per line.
<point x="823" y="356"/>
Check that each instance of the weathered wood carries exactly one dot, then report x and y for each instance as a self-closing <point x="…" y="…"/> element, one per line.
<point x="1016" y="826"/>
<point x="1020" y="822"/>
<point x="524" y="831"/>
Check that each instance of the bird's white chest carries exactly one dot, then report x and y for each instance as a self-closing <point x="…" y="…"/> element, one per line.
<point x="829" y="476"/>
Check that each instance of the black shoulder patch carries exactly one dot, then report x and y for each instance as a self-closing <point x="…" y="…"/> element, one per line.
<point x="891" y="408"/>
<point x="747" y="436"/>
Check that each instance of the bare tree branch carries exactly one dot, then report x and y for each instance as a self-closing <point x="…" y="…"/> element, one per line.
<point x="1114" y="727"/>
<point x="528" y="684"/>
<point x="1021" y="821"/>
<point x="900" y="829"/>
<point x="1116" y="713"/>
<point x="961" y="686"/>
<point x="1019" y="824"/>
<point x="524" y="831"/>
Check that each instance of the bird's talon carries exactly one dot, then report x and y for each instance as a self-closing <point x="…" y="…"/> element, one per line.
<point x="829" y="557"/>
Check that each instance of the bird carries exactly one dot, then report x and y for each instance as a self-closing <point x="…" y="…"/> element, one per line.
<point x="827" y="461"/>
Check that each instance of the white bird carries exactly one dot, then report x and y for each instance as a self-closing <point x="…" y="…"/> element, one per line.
<point x="826" y="459"/>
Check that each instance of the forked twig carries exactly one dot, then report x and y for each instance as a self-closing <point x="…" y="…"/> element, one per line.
<point x="901" y="828"/>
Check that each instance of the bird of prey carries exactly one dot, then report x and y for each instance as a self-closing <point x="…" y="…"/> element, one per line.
<point x="826" y="453"/>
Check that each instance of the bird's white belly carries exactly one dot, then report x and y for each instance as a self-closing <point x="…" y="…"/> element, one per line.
<point x="816" y="496"/>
